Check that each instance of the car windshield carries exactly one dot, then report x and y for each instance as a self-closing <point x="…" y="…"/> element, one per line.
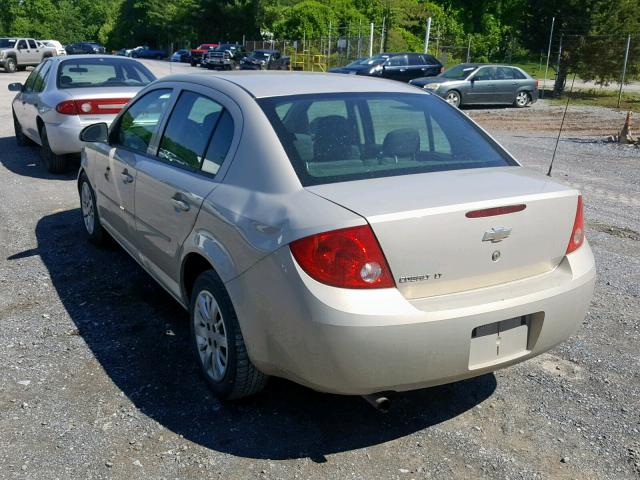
<point x="352" y="136"/>
<point x="102" y="72"/>
<point x="459" y="72"/>
<point x="7" y="42"/>
<point x="260" y="55"/>
<point x="375" y="60"/>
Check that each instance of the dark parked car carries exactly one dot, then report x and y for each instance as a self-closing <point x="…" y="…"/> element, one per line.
<point x="226" y="56"/>
<point x="265" y="60"/>
<point x="481" y="84"/>
<point x="148" y="53"/>
<point x="181" y="56"/>
<point x="83" y="48"/>
<point x="394" y="66"/>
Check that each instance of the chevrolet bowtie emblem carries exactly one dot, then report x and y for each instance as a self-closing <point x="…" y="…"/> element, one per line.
<point x="496" y="234"/>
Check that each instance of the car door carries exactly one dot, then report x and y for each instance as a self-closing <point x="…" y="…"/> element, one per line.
<point x="396" y="67"/>
<point x="172" y="184"/>
<point x="129" y="140"/>
<point x="481" y="89"/>
<point x="421" y="66"/>
<point x="20" y="101"/>
<point x="506" y="85"/>
<point x="31" y="99"/>
<point x="35" y="55"/>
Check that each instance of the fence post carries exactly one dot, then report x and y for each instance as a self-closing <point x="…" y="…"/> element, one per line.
<point x="426" y="36"/>
<point x="329" y="47"/>
<point x="371" y="42"/>
<point x="624" y="68"/>
<point x="384" y="20"/>
<point x="546" y="70"/>
<point x="469" y="50"/>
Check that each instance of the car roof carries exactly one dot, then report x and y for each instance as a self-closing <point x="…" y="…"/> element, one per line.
<point x="281" y="83"/>
<point x="65" y="58"/>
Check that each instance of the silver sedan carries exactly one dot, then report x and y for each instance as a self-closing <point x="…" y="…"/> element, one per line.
<point x="480" y="84"/>
<point x="352" y="234"/>
<point x="63" y="95"/>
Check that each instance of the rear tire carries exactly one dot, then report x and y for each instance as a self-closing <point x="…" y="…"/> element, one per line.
<point x="10" y="65"/>
<point x="53" y="162"/>
<point x="89" y="210"/>
<point x="21" y="68"/>
<point x="522" y="99"/>
<point x="217" y="341"/>
<point x="21" y="138"/>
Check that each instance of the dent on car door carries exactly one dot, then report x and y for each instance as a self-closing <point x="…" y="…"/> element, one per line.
<point x="116" y="176"/>
<point x="172" y="185"/>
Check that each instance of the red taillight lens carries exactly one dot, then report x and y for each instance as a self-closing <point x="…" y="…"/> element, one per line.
<point x="94" y="106"/>
<point x="347" y="258"/>
<point x="577" y="234"/>
<point x="537" y="84"/>
<point x="68" y="107"/>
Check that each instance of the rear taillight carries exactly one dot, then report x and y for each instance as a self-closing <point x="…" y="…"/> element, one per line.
<point x="95" y="106"/>
<point x="347" y="258"/>
<point x="537" y="84"/>
<point x="577" y="234"/>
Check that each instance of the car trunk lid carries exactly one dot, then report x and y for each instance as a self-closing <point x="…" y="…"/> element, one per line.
<point x="434" y="248"/>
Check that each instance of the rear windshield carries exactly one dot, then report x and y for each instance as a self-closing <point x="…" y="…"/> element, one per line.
<point x="7" y="42"/>
<point x="352" y="136"/>
<point x="102" y="72"/>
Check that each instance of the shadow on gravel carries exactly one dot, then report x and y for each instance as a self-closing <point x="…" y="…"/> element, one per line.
<point x="26" y="161"/>
<point x="140" y="337"/>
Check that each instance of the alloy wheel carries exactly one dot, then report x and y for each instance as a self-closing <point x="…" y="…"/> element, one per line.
<point x="86" y="201"/>
<point x="522" y="99"/>
<point x="453" y="98"/>
<point x="211" y="336"/>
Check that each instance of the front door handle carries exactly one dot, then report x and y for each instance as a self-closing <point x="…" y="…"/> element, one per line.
<point x="179" y="204"/>
<point x="126" y="178"/>
<point x="107" y="171"/>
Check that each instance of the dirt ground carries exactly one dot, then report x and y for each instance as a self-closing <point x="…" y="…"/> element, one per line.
<point x="97" y="381"/>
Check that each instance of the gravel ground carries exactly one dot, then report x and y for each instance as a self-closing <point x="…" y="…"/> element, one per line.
<point x="97" y="381"/>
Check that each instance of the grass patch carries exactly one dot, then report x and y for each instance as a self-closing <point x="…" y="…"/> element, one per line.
<point x="600" y="98"/>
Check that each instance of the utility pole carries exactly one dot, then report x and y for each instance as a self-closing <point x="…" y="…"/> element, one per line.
<point x="426" y="36"/>
<point x="546" y="70"/>
<point x="624" y="68"/>
<point x="371" y="42"/>
<point x="359" y="37"/>
<point x="384" y="20"/>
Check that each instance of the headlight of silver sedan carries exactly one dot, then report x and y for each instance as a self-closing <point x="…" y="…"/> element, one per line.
<point x="432" y="86"/>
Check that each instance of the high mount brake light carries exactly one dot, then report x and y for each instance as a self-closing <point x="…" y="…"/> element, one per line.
<point x="494" y="211"/>
<point x="577" y="234"/>
<point x="346" y="258"/>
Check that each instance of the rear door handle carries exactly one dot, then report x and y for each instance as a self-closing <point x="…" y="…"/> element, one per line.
<point x="179" y="203"/>
<point x="126" y="178"/>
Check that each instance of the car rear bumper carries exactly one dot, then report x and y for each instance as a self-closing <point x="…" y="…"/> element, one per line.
<point x="64" y="137"/>
<point x="360" y="342"/>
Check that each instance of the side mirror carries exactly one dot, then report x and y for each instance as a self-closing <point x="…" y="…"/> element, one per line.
<point x="96" y="133"/>
<point x="15" y="87"/>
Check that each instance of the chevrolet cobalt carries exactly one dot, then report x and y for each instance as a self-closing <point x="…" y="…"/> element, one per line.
<point x="348" y="233"/>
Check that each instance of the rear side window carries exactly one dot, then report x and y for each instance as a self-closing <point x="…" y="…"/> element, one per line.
<point x="219" y="145"/>
<point x="355" y="136"/>
<point x="504" y="73"/>
<point x="33" y="44"/>
<point x="138" y="123"/>
<point x="102" y="72"/>
<point x="518" y="74"/>
<point x="189" y="130"/>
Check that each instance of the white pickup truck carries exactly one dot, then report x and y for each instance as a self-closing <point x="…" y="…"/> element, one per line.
<point x="20" y="53"/>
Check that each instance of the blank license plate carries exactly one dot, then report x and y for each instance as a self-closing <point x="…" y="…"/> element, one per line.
<point x="498" y="342"/>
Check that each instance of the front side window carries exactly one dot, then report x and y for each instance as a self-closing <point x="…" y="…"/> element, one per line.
<point x="138" y="123"/>
<point x="22" y="45"/>
<point x="485" y="74"/>
<point x="352" y="136"/>
<point x="189" y="130"/>
<point x="397" y="61"/>
<point x="102" y="72"/>
<point x="31" y="79"/>
<point x="41" y="77"/>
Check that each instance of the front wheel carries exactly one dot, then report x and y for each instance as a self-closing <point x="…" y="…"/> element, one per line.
<point x="453" y="98"/>
<point x="10" y="65"/>
<point x="89" y="211"/>
<point x="522" y="99"/>
<point x="218" y="343"/>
